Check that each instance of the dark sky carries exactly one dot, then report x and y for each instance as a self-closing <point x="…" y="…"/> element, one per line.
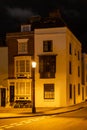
<point x="74" y="13"/>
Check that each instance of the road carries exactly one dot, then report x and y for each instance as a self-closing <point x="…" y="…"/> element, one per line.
<point x="76" y="120"/>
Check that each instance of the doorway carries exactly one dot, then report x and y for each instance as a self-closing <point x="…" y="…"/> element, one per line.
<point x="11" y="94"/>
<point x="3" y="97"/>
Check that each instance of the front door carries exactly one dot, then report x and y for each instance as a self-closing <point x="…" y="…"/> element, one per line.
<point x="3" y="97"/>
<point x="11" y="94"/>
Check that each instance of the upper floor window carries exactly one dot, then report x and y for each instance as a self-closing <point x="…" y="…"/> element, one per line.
<point x="48" y="46"/>
<point x="47" y="66"/>
<point x="70" y="67"/>
<point x="78" y="71"/>
<point x="78" y="55"/>
<point x="22" y="46"/>
<point x="70" y="48"/>
<point x="22" y="66"/>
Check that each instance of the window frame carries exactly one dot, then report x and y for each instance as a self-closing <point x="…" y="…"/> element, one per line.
<point x="47" y="46"/>
<point x="49" y="92"/>
<point x="22" y="46"/>
<point x="27" y="66"/>
<point x="47" y="66"/>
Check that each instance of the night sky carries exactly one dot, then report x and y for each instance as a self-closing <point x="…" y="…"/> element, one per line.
<point x="74" y="13"/>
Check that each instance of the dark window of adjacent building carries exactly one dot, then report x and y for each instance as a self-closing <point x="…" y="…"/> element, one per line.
<point x="47" y="66"/>
<point x="86" y="77"/>
<point x="48" y="46"/>
<point x="70" y="48"/>
<point x="78" y="89"/>
<point x="48" y="91"/>
<point x="78" y="71"/>
<point x="70" y="91"/>
<point x="70" y="67"/>
<point x="86" y="90"/>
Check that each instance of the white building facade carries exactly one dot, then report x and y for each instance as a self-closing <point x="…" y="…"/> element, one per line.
<point x="58" y="71"/>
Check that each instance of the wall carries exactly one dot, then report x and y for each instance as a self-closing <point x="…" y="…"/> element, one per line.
<point x="59" y="48"/>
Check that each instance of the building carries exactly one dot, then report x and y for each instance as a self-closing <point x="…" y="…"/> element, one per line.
<point x="20" y="54"/>
<point x="57" y="52"/>
<point x="58" y="72"/>
<point x="84" y="76"/>
<point x="3" y="76"/>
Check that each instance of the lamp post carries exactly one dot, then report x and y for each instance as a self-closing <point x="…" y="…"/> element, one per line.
<point x="33" y="87"/>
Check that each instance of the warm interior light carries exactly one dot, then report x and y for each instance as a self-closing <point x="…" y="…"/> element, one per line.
<point x="33" y="64"/>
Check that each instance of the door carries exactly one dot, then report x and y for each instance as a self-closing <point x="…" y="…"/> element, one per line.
<point x="11" y="94"/>
<point x="3" y="97"/>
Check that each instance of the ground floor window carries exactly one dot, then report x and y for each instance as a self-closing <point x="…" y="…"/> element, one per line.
<point x="70" y="91"/>
<point x="48" y="91"/>
<point x="22" y="90"/>
<point x="78" y="89"/>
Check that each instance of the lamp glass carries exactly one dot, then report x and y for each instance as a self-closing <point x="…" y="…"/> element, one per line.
<point x="33" y="64"/>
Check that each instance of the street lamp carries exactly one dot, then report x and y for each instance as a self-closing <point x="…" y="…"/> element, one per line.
<point x="33" y="87"/>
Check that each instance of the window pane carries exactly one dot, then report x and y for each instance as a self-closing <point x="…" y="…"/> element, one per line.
<point x="28" y="88"/>
<point x="16" y="66"/>
<point x="27" y="66"/>
<point x="22" y="88"/>
<point x="22" y="66"/>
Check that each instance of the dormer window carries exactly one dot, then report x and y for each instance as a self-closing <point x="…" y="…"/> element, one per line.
<point x="25" y="28"/>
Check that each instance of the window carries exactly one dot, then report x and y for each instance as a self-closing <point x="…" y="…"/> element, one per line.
<point x="48" y="91"/>
<point x="78" y="71"/>
<point x="70" y="67"/>
<point x="78" y="89"/>
<point x="47" y="46"/>
<point x="70" y="48"/>
<point x="78" y="55"/>
<point x="86" y="77"/>
<point x="47" y="66"/>
<point x="25" y="28"/>
<point x="70" y="91"/>
<point x="22" y="90"/>
<point x="86" y="90"/>
<point x="22" y="66"/>
<point x="22" y="46"/>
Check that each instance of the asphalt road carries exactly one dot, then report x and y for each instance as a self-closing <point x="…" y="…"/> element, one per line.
<point x="76" y="120"/>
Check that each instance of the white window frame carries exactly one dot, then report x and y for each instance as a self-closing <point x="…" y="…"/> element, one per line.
<point x="17" y="72"/>
<point x="22" y="46"/>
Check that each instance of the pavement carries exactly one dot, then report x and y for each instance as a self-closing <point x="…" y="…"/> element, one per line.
<point x="6" y="113"/>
